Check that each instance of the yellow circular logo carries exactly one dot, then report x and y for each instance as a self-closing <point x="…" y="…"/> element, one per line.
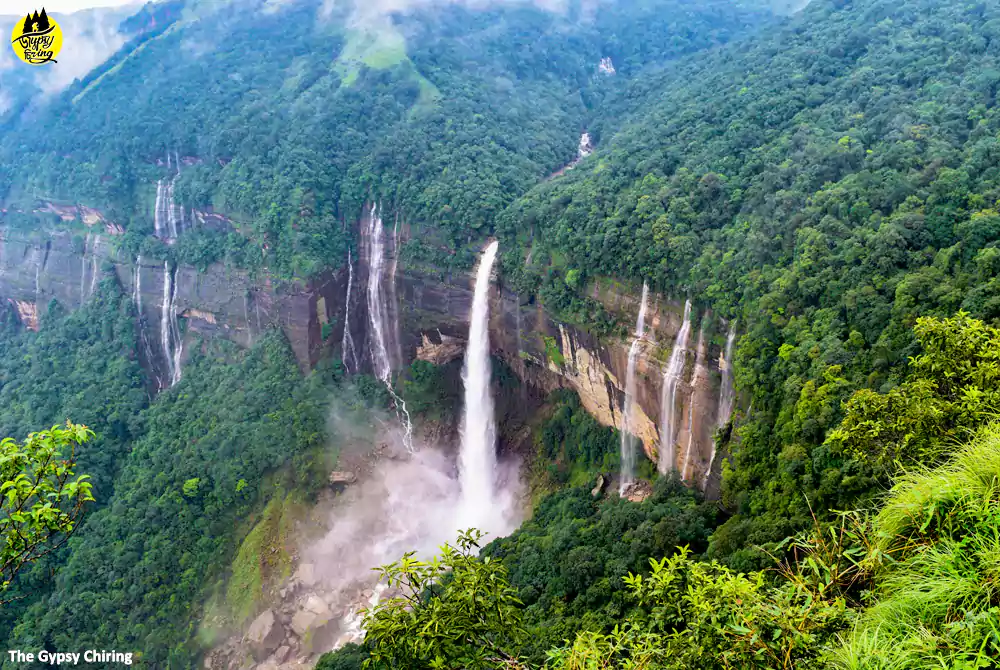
<point x="37" y="39"/>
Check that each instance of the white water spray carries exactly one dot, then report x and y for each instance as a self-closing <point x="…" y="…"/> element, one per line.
<point x="628" y="444"/>
<point x="348" y="352"/>
<point x="477" y="459"/>
<point x="727" y="396"/>
<point x="668" y="398"/>
<point x="170" y="333"/>
<point x="93" y="263"/>
<point x="83" y="269"/>
<point x="378" y="320"/>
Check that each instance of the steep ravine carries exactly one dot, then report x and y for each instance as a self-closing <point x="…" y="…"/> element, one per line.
<point x="432" y="318"/>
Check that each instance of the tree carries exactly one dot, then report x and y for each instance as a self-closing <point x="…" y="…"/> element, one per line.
<point x="42" y="502"/>
<point x="953" y="388"/>
<point x="455" y="611"/>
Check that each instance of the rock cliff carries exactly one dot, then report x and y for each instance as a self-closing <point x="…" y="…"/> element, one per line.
<point x="427" y="317"/>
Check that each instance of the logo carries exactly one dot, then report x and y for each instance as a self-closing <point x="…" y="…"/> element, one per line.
<point x="37" y="40"/>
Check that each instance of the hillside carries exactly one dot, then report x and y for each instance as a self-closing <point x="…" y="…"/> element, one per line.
<point x="727" y="390"/>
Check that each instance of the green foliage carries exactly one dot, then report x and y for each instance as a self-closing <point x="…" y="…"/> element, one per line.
<point x="569" y="561"/>
<point x="432" y="391"/>
<point x="552" y="353"/>
<point x="952" y="388"/>
<point x="826" y="183"/>
<point x="572" y="442"/>
<point x="453" y="611"/>
<point x="168" y="528"/>
<point x="348" y="657"/>
<point x="41" y="498"/>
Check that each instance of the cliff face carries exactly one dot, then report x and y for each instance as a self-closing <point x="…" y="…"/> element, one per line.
<point x="425" y="316"/>
<point x="220" y="302"/>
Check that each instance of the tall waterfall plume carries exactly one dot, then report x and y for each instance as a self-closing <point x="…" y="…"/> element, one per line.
<point x="170" y="332"/>
<point x="378" y="318"/>
<point x="727" y="395"/>
<point x="168" y="218"/>
<point x="628" y="444"/>
<point x="348" y="352"/>
<point x="93" y="263"/>
<point x="700" y="373"/>
<point x="668" y="398"/>
<point x="477" y="458"/>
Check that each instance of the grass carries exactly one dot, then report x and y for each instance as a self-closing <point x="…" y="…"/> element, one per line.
<point x="935" y="565"/>
<point x="264" y="557"/>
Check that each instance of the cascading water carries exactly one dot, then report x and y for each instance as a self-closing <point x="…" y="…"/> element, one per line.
<point x="93" y="263"/>
<point x="348" y="352"/>
<point x="168" y="218"/>
<point x="170" y="333"/>
<point x="668" y="398"/>
<point x="699" y="373"/>
<point x="378" y="320"/>
<point x="83" y="269"/>
<point x="727" y="396"/>
<point x="477" y="459"/>
<point x="628" y="444"/>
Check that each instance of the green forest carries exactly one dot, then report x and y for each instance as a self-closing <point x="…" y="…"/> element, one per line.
<point x="828" y="176"/>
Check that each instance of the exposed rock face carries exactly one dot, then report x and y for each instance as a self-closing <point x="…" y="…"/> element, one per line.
<point x="27" y="312"/>
<point x="429" y="316"/>
<point x="265" y="634"/>
<point x="220" y="302"/>
<point x="445" y="350"/>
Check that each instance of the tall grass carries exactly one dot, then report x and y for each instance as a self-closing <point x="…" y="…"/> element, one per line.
<point x="934" y="558"/>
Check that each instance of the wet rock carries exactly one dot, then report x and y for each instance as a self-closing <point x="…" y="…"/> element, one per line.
<point x="282" y="654"/>
<point x="638" y="491"/>
<point x="314" y="613"/>
<point x="306" y="574"/>
<point x="265" y="633"/>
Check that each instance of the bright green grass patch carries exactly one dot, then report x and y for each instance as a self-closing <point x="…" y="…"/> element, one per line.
<point x="264" y="557"/>
<point x="377" y="47"/>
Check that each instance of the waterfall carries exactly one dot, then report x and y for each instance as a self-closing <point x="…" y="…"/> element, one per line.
<point x="628" y="408"/>
<point x="93" y="263"/>
<point x="170" y="333"/>
<point x="726" y="394"/>
<point x="668" y="398"/>
<point x="137" y="287"/>
<point x="168" y="218"/>
<point x="699" y="365"/>
<point x="348" y="352"/>
<point x="158" y="214"/>
<point x="377" y="317"/>
<point x="477" y="458"/>
<point x="83" y="269"/>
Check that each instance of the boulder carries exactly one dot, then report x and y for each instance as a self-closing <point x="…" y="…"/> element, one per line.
<point x="306" y="574"/>
<point x="598" y="487"/>
<point x="339" y="477"/>
<point x="282" y="654"/>
<point x="265" y="633"/>
<point x="313" y="614"/>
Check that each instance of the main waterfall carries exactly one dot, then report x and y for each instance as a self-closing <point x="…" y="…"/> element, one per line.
<point x="377" y="316"/>
<point x="477" y="458"/>
<point x="170" y="332"/>
<point x="168" y="218"/>
<point x="668" y="398"/>
<point x="628" y="440"/>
